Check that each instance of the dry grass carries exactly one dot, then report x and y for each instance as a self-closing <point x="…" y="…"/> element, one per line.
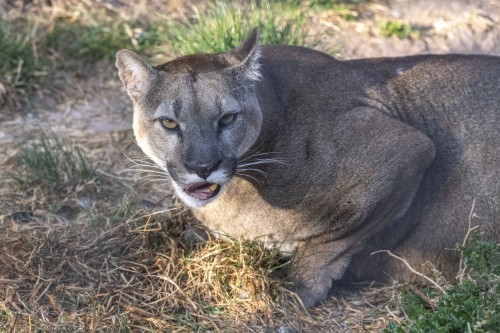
<point x="97" y="256"/>
<point x="140" y="274"/>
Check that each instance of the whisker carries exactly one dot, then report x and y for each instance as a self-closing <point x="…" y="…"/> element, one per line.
<point x="259" y="154"/>
<point x="153" y="166"/>
<point x="133" y="160"/>
<point x="157" y="182"/>
<point x="264" y="161"/>
<point x="257" y="158"/>
<point x="263" y="173"/>
<point x="248" y="176"/>
<point x="150" y="175"/>
<point x="144" y="173"/>
<point x="145" y="163"/>
<point x="147" y="153"/>
<point x="148" y="171"/>
<point x="153" y="177"/>
<point x="252" y="169"/>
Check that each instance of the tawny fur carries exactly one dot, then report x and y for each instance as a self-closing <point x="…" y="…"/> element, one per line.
<point x="329" y="160"/>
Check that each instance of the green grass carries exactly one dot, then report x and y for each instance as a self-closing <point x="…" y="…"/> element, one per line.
<point x="223" y="25"/>
<point x="103" y="216"/>
<point x="334" y="3"/>
<point x="19" y="65"/>
<point x="397" y="28"/>
<point x="52" y="164"/>
<point x="342" y="8"/>
<point x="32" y="49"/>
<point x="219" y="27"/>
<point x="469" y="306"/>
<point x="101" y="40"/>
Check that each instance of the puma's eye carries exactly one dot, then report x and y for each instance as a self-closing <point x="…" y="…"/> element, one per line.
<point x="169" y="123"/>
<point x="227" y="119"/>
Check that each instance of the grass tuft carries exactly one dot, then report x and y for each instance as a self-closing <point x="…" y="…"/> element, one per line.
<point x="399" y="29"/>
<point x="469" y="306"/>
<point x="19" y="65"/>
<point x="342" y="8"/>
<point x="100" y="40"/>
<point x="103" y="217"/>
<point x="223" y="25"/>
<point x="235" y="276"/>
<point x="52" y="164"/>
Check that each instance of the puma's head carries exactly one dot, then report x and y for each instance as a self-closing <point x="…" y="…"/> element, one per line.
<point x="196" y="115"/>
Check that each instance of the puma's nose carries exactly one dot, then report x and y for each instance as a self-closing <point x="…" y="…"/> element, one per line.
<point x="203" y="170"/>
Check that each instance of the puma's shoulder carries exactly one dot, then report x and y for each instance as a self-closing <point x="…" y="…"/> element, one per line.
<point x="332" y="159"/>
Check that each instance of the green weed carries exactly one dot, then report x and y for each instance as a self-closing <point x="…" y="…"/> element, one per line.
<point x="69" y="41"/>
<point x="333" y="3"/>
<point x="18" y="66"/>
<point x="397" y="28"/>
<point x="223" y="25"/>
<point x="53" y="164"/>
<point x="103" y="216"/>
<point x="85" y="41"/>
<point x="469" y="306"/>
<point x="343" y="8"/>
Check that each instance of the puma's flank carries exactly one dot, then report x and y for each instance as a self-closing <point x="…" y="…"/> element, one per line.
<point x="330" y="160"/>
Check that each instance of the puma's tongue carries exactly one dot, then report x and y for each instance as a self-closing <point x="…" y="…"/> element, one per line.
<point x="202" y="191"/>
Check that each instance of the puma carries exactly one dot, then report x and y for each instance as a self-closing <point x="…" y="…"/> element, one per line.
<point x="329" y="160"/>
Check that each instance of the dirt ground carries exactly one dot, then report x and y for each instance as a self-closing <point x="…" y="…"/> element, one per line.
<point x="95" y="110"/>
<point x="454" y="26"/>
<point x="98" y="106"/>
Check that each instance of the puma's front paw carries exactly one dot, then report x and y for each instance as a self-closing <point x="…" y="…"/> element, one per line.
<point x="316" y="265"/>
<point x="313" y="292"/>
<point x="312" y="295"/>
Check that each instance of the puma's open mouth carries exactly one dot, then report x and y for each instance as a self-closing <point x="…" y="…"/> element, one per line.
<point x="202" y="191"/>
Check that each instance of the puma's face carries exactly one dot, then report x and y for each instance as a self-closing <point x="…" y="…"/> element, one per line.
<point x="195" y="116"/>
<point x="196" y="129"/>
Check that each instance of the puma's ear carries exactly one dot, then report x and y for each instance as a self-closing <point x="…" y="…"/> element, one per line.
<point x="246" y="57"/>
<point x="135" y="73"/>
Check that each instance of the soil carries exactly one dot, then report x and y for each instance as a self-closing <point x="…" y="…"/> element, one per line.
<point x="455" y="26"/>
<point x="97" y="105"/>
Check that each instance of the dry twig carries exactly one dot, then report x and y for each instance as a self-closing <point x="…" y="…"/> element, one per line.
<point x="462" y="267"/>
<point x="405" y="262"/>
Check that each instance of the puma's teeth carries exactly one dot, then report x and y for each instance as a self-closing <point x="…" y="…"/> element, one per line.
<point x="202" y="191"/>
<point x="213" y="187"/>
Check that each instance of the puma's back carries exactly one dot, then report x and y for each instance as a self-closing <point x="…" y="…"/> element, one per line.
<point x="329" y="160"/>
